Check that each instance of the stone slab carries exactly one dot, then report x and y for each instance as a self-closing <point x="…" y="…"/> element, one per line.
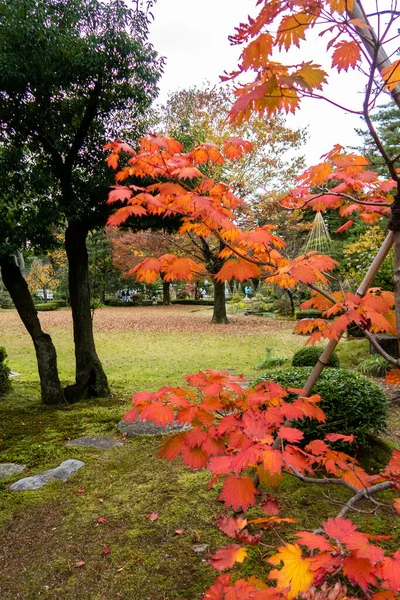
<point x="92" y="441"/>
<point x="200" y="547"/>
<point x="7" y="469"/>
<point x="140" y="427"/>
<point x="62" y="472"/>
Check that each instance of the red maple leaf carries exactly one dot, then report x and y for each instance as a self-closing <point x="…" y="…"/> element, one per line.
<point x="225" y="558"/>
<point x="238" y="492"/>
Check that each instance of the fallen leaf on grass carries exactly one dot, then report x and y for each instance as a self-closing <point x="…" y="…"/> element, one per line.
<point x="105" y="550"/>
<point x="196" y="537"/>
<point x="80" y="563"/>
<point x="179" y="531"/>
<point x="152" y="516"/>
<point x="81" y="491"/>
<point x="101" y="520"/>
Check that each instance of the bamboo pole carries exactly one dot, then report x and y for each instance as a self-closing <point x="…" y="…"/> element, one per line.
<point x="372" y="44"/>
<point x="365" y="284"/>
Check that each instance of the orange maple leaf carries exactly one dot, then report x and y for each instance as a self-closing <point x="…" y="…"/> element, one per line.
<point x="391" y="75"/>
<point x="239" y="269"/>
<point x="360" y="571"/>
<point x="235" y="147"/>
<point x="292" y="29"/>
<point x="238" y="492"/>
<point x="347" y="55"/>
<point x="393" y="377"/>
<point x="225" y="558"/>
<point x="124" y="213"/>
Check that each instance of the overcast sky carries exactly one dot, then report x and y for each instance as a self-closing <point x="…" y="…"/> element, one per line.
<point x="193" y="37"/>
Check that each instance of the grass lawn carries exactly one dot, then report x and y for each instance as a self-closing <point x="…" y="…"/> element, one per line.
<point x="43" y="534"/>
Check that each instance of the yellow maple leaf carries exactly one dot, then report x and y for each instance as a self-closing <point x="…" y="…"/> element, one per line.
<point x="292" y="29"/>
<point x="295" y="573"/>
<point x="341" y="5"/>
<point x="391" y="75"/>
<point x="257" y="52"/>
<point x="310" y="76"/>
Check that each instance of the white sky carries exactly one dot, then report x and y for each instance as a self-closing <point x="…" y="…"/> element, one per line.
<point x="193" y="36"/>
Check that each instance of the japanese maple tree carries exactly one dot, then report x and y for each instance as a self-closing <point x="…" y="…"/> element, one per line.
<point x="248" y="438"/>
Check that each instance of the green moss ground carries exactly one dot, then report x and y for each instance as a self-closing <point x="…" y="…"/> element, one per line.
<point x="44" y="533"/>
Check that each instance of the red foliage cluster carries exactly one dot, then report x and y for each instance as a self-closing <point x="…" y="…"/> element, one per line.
<point x="235" y="432"/>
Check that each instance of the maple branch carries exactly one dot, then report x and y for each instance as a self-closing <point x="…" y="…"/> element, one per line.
<point x="365" y="493"/>
<point x="321" y="97"/>
<point x="352" y="199"/>
<point x="322" y="292"/>
<point x="393" y="361"/>
<point x="385" y="12"/>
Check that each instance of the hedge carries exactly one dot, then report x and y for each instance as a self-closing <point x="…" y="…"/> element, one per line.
<point x="352" y="403"/>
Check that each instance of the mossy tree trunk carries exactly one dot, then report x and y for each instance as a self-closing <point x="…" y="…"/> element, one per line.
<point x="50" y="385"/>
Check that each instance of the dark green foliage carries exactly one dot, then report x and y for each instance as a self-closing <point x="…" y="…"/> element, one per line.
<point x="46" y="306"/>
<point x="387" y="124"/>
<point x="308" y="314"/>
<point x="351" y="402"/>
<point x="60" y="303"/>
<point x="308" y="357"/>
<point x="374" y="366"/>
<point x="4" y="373"/>
<point x="3" y="354"/>
<point x="117" y="302"/>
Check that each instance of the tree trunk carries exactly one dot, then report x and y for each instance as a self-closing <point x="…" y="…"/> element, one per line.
<point x="45" y="293"/>
<point x="219" y="314"/>
<point x="166" y="289"/>
<point x="292" y="306"/>
<point x="17" y="287"/>
<point x="90" y="380"/>
<point x="102" y="294"/>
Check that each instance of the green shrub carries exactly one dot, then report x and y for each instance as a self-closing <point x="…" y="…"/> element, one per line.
<point x="60" y="303"/>
<point x="114" y="302"/>
<point x="4" y="373"/>
<point x="46" y="306"/>
<point x="311" y="313"/>
<point x="3" y="354"/>
<point x="137" y="300"/>
<point x="308" y="357"/>
<point x="352" y="403"/>
<point x="5" y="383"/>
<point x="374" y="366"/>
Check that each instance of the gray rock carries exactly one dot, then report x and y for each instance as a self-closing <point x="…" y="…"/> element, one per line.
<point x="14" y="374"/>
<point x="139" y="427"/>
<point x="7" y="469"/>
<point x="200" y="548"/>
<point x="65" y="470"/>
<point x="91" y="441"/>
